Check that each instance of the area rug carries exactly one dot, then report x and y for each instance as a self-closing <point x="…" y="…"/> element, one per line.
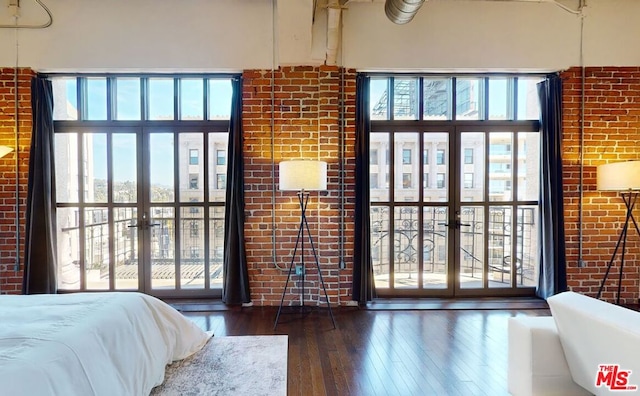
<point x="239" y="365"/>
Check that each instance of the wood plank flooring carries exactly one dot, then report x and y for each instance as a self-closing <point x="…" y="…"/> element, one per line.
<point x="383" y="352"/>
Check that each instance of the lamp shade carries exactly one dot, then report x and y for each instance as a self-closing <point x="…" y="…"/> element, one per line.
<point x="4" y="150"/>
<point x="619" y="176"/>
<point x="303" y="175"/>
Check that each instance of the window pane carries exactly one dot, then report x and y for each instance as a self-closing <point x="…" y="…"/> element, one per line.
<point x="217" y="149"/>
<point x="191" y="99"/>
<point x="379" y="147"/>
<point x="528" y="102"/>
<point x="66" y="163"/>
<point x="469" y="99"/>
<point x="527" y="246"/>
<point x="434" y="242"/>
<point x="125" y="176"/>
<point x="435" y="178"/>
<point x="528" y="166"/>
<point x="127" y="98"/>
<point x="472" y="144"/>
<point x="126" y="247"/>
<point x="65" y="98"/>
<point x="380" y="245"/>
<point x="406" y="168"/>
<point x="379" y="98"/>
<point x="500" y="246"/>
<point x="437" y="98"/>
<point x="500" y="166"/>
<point x="220" y="94"/>
<point x="163" y="246"/>
<point x="405" y="242"/>
<point x="405" y="99"/>
<point x="216" y="245"/>
<point x="96" y="99"/>
<point x="192" y="247"/>
<point x="161" y="167"/>
<point x="95" y="167"/>
<point x="471" y="247"/>
<point x="161" y="99"/>
<point x="191" y="175"/>
<point x="96" y="246"/>
<point x="500" y="99"/>
<point x="68" y="243"/>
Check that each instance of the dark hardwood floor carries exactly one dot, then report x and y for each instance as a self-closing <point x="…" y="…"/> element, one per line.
<point x="383" y="352"/>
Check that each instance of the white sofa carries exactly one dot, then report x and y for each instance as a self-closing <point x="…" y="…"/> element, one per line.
<point x="562" y="354"/>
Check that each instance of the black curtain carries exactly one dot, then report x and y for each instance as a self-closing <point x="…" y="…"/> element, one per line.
<point x="40" y="239"/>
<point x="363" y="282"/>
<point x="553" y="265"/>
<point x="235" y="288"/>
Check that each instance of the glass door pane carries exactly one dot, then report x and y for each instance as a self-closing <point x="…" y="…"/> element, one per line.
<point x="435" y="167"/>
<point x="471" y="265"/>
<point x="216" y="245"/>
<point x="500" y="248"/>
<point x="162" y="247"/>
<point x="126" y="248"/>
<point x="380" y="249"/>
<point x="435" y="244"/>
<point x="161" y="168"/>
<point x="192" y="247"/>
<point x="405" y="244"/>
<point x="125" y="164"/>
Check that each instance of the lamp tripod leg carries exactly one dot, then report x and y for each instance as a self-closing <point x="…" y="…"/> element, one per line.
<point x="622" y="239"/>
<point x="284" y="291"/>
<point x="315" y="256"/>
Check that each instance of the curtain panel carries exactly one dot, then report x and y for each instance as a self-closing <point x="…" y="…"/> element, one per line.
<point x="553" y="267"/>
<point x="363" y="289"/>
<point x="235" y="288"/>
<point x="40" y="239"/>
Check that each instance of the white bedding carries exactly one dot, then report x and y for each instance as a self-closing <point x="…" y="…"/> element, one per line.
<point x="90" y="343"/>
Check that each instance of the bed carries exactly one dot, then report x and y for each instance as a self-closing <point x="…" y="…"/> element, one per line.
<point x="90" y="343"/>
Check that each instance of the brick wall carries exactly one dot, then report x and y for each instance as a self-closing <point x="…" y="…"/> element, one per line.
<point x="306" y="119"/>
<point x="11" y="280"/>
<point x="611" y="134"/>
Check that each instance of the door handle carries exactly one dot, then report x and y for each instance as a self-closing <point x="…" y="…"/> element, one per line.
<point x="454" y="224"/>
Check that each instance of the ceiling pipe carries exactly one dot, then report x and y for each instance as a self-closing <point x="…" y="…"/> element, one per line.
<point x="402" y="11"/>
<point x="334" y="11"/>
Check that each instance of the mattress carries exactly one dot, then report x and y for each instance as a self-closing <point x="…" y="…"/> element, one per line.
<point x="115" y="343"/>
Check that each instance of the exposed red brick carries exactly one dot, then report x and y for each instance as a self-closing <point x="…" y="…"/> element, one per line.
<point x="611" y="133"/>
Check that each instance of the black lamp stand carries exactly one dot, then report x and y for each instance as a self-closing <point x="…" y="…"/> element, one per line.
<point x="629" y="199"/>
<point x="303" y="197"/>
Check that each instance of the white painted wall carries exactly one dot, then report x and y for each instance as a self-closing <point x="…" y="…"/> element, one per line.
<point x="231" y="35"/>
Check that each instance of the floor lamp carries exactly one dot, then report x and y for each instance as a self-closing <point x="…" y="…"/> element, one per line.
<point x="625" y="178"/>
<point x="303" y="176"/>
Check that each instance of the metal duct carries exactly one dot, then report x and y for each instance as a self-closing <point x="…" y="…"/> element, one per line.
<point x="402" y="11"/>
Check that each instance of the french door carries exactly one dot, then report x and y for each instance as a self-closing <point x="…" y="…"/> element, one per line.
<point x="454" y="210"/>
<point x="150" y="213"/>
